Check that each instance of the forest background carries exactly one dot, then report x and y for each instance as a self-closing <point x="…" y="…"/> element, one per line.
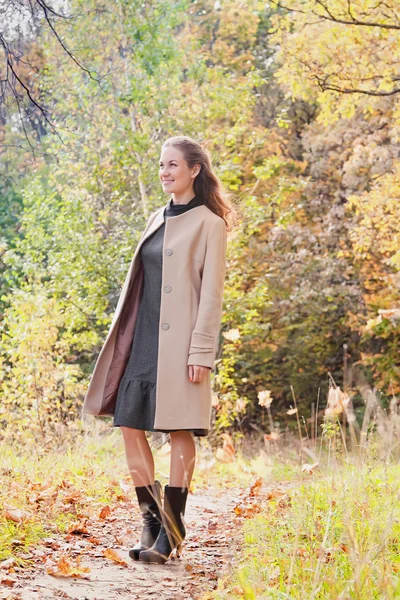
<point x="298" y="104"/>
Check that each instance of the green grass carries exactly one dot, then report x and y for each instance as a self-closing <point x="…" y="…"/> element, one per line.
<point x="336" y="534"/>
<point x="17" y="539"/>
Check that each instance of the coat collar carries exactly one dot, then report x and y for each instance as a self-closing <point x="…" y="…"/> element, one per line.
<point x="159" y="219"/>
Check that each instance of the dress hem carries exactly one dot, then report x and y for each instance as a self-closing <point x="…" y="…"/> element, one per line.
<point x="196" y="432"/>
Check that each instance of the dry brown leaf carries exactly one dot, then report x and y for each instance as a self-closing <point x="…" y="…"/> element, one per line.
<point x="94" y="540"/>
<point x="122" y="497"/>
<point x="113" y="555"/>
<point x="105" y="512"/>
<point x="309" y="468"/>
<point x="64" y="567"/>
<point x="255" y="487"/>
<point x="8" y="581"/>
<point x="16" y="514"/>
<point x="78" y="528"/>
<point x="73" y="498"/>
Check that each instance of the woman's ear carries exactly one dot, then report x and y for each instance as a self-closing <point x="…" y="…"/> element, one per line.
<point x="197" y="170"/>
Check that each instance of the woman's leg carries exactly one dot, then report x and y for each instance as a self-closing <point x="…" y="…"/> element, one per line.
<point x="183" y="458"/>
<point x="138" y="456"/>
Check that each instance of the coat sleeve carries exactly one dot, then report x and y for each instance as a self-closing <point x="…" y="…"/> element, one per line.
<point x="204" y="339"/>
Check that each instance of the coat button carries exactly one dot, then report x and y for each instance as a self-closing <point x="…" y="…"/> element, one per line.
<point x="169" y="251"/>
<point x="165" y="326"/>
<point x="167" y="289"/>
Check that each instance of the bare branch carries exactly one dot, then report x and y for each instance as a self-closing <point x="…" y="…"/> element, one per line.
<point x="329" y="16"/>
<point x="32" y="12"/>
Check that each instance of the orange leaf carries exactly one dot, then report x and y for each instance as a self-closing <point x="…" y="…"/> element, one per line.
<point x="65" y="568"/>
<point x="255" y="487"/>
<point x="113" y="555"/>
<point x="105" y="512"/>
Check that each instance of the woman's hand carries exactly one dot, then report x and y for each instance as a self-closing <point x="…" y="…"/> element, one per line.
<point x="197" y="372"/>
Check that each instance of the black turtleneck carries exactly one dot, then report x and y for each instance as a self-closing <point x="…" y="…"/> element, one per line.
<point x="172" y="209"/>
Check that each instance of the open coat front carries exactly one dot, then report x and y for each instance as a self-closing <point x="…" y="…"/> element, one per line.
<point x="193" y="274"/>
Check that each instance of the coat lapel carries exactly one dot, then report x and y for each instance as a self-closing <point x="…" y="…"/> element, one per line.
<point x="123" y="339"/>
<point x="158" y="221"/>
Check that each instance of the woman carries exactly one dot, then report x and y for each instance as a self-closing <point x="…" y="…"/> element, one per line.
<point x="153" y="372"/>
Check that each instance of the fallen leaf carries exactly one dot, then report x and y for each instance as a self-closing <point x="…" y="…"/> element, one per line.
<point x="8" y="581"/>
<point x="105" y="512"/>
<point x="255" y="487"/>
<point x="114" y="556"/>
<point x="16" y="514"/>
<point x="64" y="567"/>
<point x="78" y="528"/>
<point x="94" y="540"/>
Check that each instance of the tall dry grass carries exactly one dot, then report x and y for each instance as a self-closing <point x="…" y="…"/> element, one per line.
<point x="335" y="533"/>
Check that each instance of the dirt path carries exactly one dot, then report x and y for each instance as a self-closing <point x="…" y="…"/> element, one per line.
<point x="209" y="547"/>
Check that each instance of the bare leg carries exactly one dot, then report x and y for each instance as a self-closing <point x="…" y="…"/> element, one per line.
<point x="183" y="458"/>
<point x="138" y="456"/>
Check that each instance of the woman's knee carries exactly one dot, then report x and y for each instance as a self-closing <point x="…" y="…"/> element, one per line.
<point x="133" y="436"/>
<point x="182" y="437"/>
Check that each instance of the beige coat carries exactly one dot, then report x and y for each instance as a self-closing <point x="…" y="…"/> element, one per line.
<point x="193" y="273"/>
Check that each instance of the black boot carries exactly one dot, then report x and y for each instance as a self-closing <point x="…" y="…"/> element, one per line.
<point x="173" y="531"/>
<point x="149" y="498"/>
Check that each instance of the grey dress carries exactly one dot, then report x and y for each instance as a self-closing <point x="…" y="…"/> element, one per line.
<point x="136" y="398"/>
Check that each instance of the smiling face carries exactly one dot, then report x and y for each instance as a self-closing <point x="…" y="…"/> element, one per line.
<point x="175" y="175"/>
